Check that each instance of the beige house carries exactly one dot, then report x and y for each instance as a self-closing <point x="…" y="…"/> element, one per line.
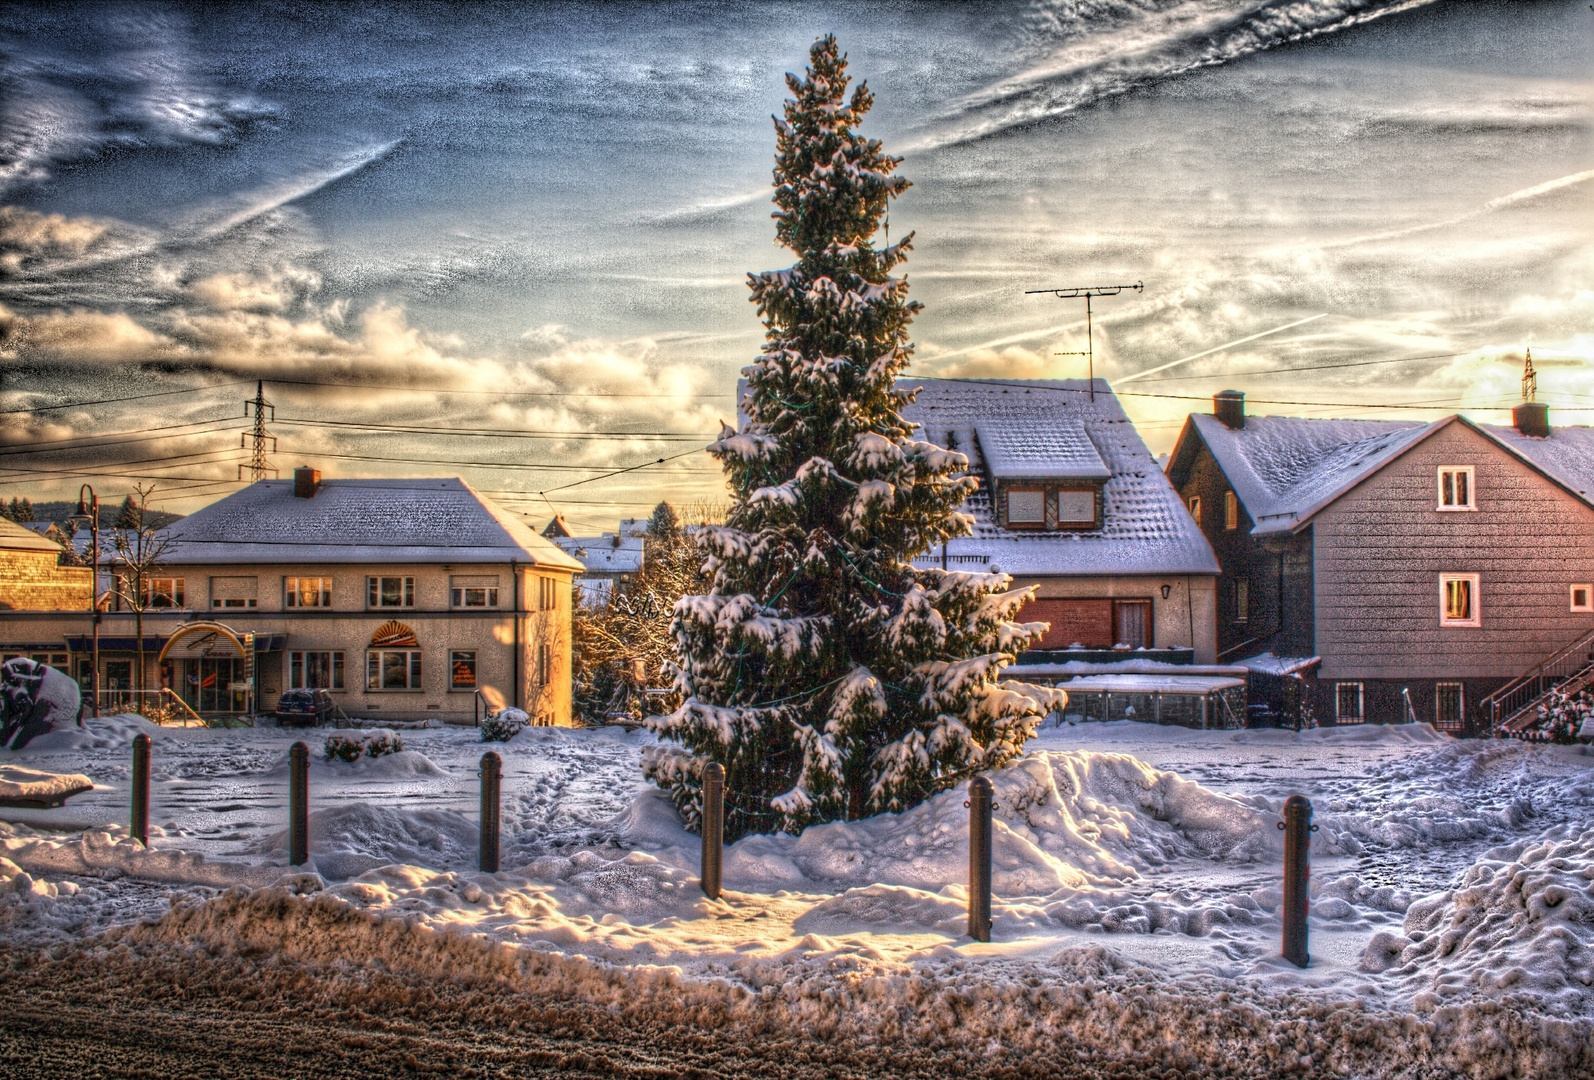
<point x="33" y="584"/>
<point x="407" y="599"/>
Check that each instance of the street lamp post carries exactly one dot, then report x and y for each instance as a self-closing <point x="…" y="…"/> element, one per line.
<point x="90" y="508"/>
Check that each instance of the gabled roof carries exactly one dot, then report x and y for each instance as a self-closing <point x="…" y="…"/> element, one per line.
<point x="1145" y="528"/>
<point x="437" y="520"/>
<point x="1284" y="469"/>
<point x="1058" y="449"/>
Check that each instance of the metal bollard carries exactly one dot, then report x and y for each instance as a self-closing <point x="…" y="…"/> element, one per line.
<point x="138" y="826"/>
<point x="492" y="775"/>
<point x="299" y="804"/>
<point x="1298" y="827"/>
<point x="979" y="805"/>
<point x="713" y="828"/>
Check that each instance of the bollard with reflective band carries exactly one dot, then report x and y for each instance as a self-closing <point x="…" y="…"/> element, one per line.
<point x="492" y="773"/>
<point x="1298" y="827"/>
<point x="979" y="805"/>
<point x="138" y="825"/>
<point x="713" y="828"/>
<point x="299" y="804"/>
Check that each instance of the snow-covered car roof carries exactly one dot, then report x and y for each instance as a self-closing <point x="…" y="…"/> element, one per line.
<point x="1145" y="528"/>
<point x="430" y="520"/>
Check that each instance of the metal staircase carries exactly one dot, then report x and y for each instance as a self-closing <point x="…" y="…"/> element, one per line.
<point x="1514" y="708"/>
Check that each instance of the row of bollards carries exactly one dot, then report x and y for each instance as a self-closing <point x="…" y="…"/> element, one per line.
<point x="1297" y="826"/>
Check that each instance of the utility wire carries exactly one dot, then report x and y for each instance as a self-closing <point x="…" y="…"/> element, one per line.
<point x="118" y="400"/>
<point x="496" y="433"/>
<point x="476" y="464"/>
<point x="117" y="438"/>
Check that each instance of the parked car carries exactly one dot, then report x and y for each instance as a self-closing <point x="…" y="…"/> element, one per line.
<point x="305" y="708"/>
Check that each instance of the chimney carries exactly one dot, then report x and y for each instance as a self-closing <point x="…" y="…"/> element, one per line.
<point x="306" y="482"/>
<point x="1229" y="407"/>
<point x="1532" y="417"/>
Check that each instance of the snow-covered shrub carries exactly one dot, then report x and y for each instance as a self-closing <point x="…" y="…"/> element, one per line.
<point x="1563" y="716"/>
<point x="373" y="745"/>
<point x="829" y="676"/>
<point x="503" y="725"/>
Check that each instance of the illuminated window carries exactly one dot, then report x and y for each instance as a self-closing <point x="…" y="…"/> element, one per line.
<point x="163" y="592"/>
<point x="1195" y="508"/>
<point x="1458" y="600"/>
<point x="307" y="592"/>
<point x="1231" y="511"/>
<point x="462" y="670"/>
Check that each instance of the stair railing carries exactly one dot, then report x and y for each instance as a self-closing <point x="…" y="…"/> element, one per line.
<point x="1526" y="689"/>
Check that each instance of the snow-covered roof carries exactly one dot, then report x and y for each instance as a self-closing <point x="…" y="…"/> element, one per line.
<point x="1281" y="666"/>
<point x="1069" y="669"/>
<point x="14" y="537"/>
<point x="1056" y="450"/>
<point x="1566" y="456"/>
<point x="432" y="520"/>
<point x="1145" y="528"/>
<point x="605" y="554"/>
<point x="1152" y="684"/>
<point x="1285" y="468"/>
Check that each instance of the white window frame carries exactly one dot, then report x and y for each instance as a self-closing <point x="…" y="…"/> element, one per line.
<point x="1588" y="597"/>
<point x="293" y="592"/>
<point x="375" y="669"/>
<point x="1472" y="489"/>
<point x="336" y="669"/>
<point x="373" y="592"/>
<point x="1033" y="522"/>
<point x="461" y="596"/>
<point x="1231" y="511"/>
<point x="1360" y="715"/>
<point x="175" y="594"/>
<point x="1193" y="504"/>
<point x="1476" y="595"/>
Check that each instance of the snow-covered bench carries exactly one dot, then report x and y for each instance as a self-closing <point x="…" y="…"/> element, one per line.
<point x="30" y="789"/>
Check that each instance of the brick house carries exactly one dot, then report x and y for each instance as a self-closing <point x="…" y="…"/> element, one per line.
<point x="1415" y="569"/>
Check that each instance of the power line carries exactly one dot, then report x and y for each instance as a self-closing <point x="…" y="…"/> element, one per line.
<point x="1308" y="367"/>
<point x="496" y="433"/>
<point x="494" y="393"/>
<point x="113" y="438"/>
<point x="118" y="400"/>
<point x="476" y="464"/>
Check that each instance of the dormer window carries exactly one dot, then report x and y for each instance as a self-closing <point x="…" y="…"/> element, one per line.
<point x="1076" y="507"/>
<point x="1046" y="477"/>
<point x="1456" y="488"/>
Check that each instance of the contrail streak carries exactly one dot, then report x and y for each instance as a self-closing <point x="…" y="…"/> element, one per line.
<point x="1217" y="349"/>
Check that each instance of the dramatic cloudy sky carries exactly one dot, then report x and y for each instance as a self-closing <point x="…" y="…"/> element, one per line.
<point x="494" y="224"/>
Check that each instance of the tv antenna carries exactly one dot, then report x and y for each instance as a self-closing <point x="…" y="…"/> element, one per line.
<point x="1088" y="291"/>
<point x="258" y="465"/>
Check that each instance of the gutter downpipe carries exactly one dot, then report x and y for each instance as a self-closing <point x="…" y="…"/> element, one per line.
<point x="514" y="573"/>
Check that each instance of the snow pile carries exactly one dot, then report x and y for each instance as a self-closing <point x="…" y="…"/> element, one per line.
<point x="114" y="732"/>
<point x="111" y="851"/>
<point x="355" y="837"/>
<point x="1521" y="922"/>
<point x="1064" y="820"/>
<point x="19" y="783"/>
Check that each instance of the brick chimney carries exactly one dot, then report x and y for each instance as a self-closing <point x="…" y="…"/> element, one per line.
<point x="1229" y="407"/>
<point x="306" y="482"/>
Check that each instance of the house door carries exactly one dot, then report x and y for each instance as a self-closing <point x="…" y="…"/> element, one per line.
<point x="1132" y="623"/>
<point x="117" y="684"/>
<point x="208" y="685"/>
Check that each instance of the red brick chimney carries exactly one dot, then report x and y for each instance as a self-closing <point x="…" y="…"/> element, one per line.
<point x="306" y="482"/>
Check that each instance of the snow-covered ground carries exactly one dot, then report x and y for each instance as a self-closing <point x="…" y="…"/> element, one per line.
<point x="1453" y="882"/>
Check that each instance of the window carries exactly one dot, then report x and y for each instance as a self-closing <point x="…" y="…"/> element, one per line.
<point x="390" y="592"/>
<point x="307" y="592"/>
<point x="233" y="592"/>
<point x="547" y="594"/>
<point x="1449" y="705"/>
<point x="1583" y="597"/>
<point x="393" y="669"/>
<point x="163" y="592"/>
<point x="1348" y="703"/>
<point x="1195" y="508"/>
<point x="315" y="669"/>
<point x="1458" y="600"/>
<point x="1456" y="487"/>
<point x="462" y="670"/>
<point x="1242" y="601"/>
<point x="479" y="592"/>
<point x="1132" y="623"/>
<point x="1026" y="506"/>
<point x="544" y="664"/>
<point x="1075" y="507"/>
<point x="1231" y="510"/>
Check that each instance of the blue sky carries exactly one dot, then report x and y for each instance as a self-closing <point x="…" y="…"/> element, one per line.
<point x="537" y="219"/>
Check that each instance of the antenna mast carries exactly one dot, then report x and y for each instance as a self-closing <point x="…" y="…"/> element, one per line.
<point x="1088" y="291"/>
<point x="1530" y="380"/>
<point x="258" y="465"/>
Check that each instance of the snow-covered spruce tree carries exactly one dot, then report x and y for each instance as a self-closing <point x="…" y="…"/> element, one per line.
<point x="829" y="677"/>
